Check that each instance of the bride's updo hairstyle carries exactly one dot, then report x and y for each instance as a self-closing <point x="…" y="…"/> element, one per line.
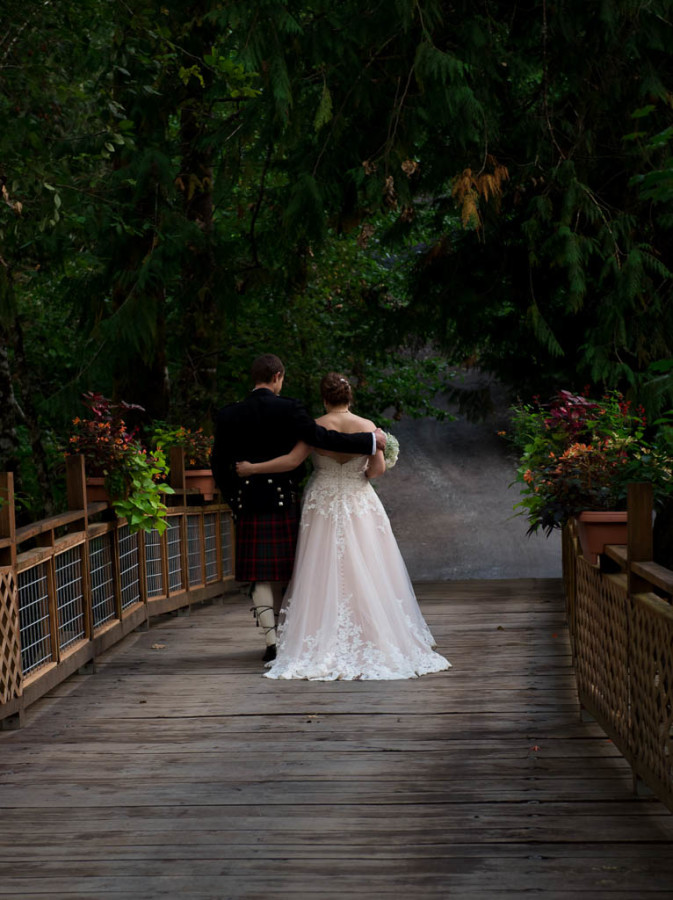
<point x="335" y="389"/>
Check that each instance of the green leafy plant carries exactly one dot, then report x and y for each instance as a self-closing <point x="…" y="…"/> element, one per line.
<point x="197" y="444"/>
<point x="142" y="505"/>
<point x="134" y="477"/>
<point x="578" y="454"/>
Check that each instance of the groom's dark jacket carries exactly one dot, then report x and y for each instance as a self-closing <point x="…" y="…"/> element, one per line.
<point x="262" y="427"/>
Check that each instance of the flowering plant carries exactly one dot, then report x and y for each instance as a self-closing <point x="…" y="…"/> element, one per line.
<point x="103" y="439"/>
<point x="115" y="452"/>
<point x="392" y="450"/>
<point x="197" y="444"/>
<point x="578" y="454"/>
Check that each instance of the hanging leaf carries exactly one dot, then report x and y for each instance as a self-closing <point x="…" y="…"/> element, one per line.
<point x="324" y="112"/>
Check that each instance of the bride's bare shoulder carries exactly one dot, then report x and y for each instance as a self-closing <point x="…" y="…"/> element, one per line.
<point x="349" y="423"/>
<point x="364" y="424"/>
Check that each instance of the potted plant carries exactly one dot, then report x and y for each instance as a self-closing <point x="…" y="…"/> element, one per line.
<point x="197" y="447"/>
<point x="577" y="458"/>
<point x="119" y="468"/>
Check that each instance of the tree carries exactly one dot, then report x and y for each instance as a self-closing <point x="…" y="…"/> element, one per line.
<point x="348" y="184"/>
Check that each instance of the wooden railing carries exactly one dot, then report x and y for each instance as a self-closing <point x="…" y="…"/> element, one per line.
<point x="621" y="626"/>
<point x="71" y="587"/>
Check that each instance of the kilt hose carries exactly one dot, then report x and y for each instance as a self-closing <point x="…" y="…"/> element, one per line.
<point x="266" y="545"/>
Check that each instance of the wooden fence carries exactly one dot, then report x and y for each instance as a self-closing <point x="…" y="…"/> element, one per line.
<point x="621" y="626"/>
<point x="70" y="586"/>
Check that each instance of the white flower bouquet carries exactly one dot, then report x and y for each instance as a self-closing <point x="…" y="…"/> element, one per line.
<point x="392" y="450"/>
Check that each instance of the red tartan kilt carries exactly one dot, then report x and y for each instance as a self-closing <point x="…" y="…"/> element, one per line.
<point x="265" y="545"/>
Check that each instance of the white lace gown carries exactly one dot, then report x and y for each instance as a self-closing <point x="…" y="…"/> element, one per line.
<point x="350" y="611"/>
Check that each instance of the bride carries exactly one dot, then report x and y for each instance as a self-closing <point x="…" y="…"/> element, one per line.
<point x="349" y="610"/>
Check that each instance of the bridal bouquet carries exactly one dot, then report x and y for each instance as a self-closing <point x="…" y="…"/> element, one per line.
<point x="392" y="450"/>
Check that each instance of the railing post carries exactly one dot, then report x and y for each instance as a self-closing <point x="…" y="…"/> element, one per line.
<point x="176" y="475"/>
<point x="116" y="573"/>
<point x="75" y="482"/>
<point x="7" y="520"/>
<point x="11" y="670"/>
<point x="639" y="541"/>
<point x="639" y="549"/>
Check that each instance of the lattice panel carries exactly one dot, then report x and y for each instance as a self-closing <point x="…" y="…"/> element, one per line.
<point x="601" y="663"/>
<point x="652" y="692"/>
<point x="194" y="550"/>
<point x="10" y="645"/>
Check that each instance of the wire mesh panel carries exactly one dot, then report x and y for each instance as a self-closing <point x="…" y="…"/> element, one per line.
<point x="225" y="543"/>
<point x="129" y="566"/>
<point x="210" y="535"/>
<point x="36" y="647"/>
<point x="194" y="550"/>
<point x="174" y="544"/>
<point x="154" y="575"/>
<point x="69" y="597"/>
<point x="102" y="580"/>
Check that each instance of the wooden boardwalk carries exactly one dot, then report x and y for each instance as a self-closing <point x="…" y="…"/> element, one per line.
<point x="178" y="771"/>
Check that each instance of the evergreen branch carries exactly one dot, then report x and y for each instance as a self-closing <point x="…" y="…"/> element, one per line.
<point x="545" y="80"/>
<point x="258" y="204"/>
<point x="590" y="194"/>
<point x="483" y="165"/>
<point x="346" y="98"/>
<point x="397" y="114"/>
<point x="19" y="32"/>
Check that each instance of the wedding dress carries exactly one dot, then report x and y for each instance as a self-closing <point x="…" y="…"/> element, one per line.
<point x="349" y="611"/>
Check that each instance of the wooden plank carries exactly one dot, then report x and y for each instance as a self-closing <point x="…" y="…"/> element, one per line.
<point x="7" y="520"/>
<point x="177" y="770"/>
<point x="653" y="573"/>
<point x="617" y="552"/>
<point x="640" y="538"/>
<point x="46" y="525"/>
<point x="420" y="873"/>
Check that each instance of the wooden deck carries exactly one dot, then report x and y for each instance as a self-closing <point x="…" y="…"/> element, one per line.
<point x="178" y="771"/>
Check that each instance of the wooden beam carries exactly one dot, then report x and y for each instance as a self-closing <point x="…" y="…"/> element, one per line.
<point x="7" y="519"/>
<point x="639" y="543"/>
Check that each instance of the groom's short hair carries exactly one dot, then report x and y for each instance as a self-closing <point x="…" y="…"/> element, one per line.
<point x="265" y="367"/>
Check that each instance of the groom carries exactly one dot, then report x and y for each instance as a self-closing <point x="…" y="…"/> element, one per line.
<point x="265" y="507"/>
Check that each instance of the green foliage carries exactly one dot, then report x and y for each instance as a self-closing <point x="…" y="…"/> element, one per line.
<point x="578" y="454"/>
<point x="184" y="186"/>
<point x="132" y="474"/>
<point x="197" y="445"/>
<point x="142" y="505"/>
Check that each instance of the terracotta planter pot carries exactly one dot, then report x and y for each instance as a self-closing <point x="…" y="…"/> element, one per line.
<point x="95" y="490"/>
<point x="595" y="529"/>
<point x="201" y="480"/>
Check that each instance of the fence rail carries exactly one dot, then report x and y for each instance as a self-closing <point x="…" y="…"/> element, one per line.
<point x="621" y="626"/>
<point x="71" y="587"/>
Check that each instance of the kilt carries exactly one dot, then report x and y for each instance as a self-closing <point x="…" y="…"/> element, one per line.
<point x="266" y="545"/>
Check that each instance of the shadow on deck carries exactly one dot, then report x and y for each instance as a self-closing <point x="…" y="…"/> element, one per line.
<point x="178" y="771"/>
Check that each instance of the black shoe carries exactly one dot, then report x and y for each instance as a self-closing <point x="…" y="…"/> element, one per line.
<point x="269" y="653"/>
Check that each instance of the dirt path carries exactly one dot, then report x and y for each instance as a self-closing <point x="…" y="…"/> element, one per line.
<point x="451" y="506"/>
